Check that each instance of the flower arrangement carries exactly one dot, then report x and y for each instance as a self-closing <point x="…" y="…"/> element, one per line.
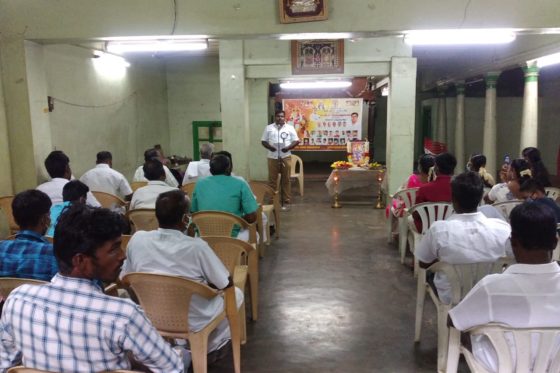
<point x="341" y="165"/>
<point x="375" y="166"/>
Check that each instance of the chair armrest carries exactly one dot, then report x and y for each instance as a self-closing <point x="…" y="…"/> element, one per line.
<point x="240" y="276"/>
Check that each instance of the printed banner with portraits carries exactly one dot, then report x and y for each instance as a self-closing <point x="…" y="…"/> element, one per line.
<point x="325" y="123"/>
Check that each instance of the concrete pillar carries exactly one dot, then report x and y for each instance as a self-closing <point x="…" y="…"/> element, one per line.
<point x="459" y="150"/>
<point x="400" y="121"/>
<point x="25" y="97"/>
<point x="234" y="105"/>
<point x="530" y="119"/>
<point x="490" y="128"/>
<point x="441" y="133"/>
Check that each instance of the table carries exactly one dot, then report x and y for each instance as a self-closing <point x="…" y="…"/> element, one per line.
<point x="354" y="178"/>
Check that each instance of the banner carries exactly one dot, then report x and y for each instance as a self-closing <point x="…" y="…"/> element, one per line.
<point x="325" y="123"/>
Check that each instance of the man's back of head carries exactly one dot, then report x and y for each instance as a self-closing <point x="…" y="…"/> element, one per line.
<point x="150" y="154"/>
<point x="104" y="157"/>
<point x="445" y="164"/>
<point x="58" y="165"/>
<point x="75" y="191"/>
<point x="171" y="209"/>
<point x="153" y="170"/>
<point x="219" y="165"/>
<point x="31" y="210"/>
<point x="206" y="150"/>
<point x="466" y="192"/>
<point x="227" y="154"/>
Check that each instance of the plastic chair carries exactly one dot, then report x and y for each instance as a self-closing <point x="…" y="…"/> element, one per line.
<point x="527" y="357"/>
<point x="143" y="219"/>
<point x="137" y="184"/>
<point x="250" y="261"/>
<point x="297" y="174"/>
<point x="6" y="207"/>
<point x="428" y="213"/>
<point x="553" y="193"/>
<point x="506" y="207"/>
<point x="188" y="188"/>
<point x="556" y="252"/>
<point x="219" y="223"/>
<point x="7" y="284"/>
<point x="124" y="243"/>
<point x="22" y="369"/>
<point x="407" y="197"/>
<point x="109" y="201"/>
<point x="166" y="301"/>
<point x="462" y="278"/>
<point x="265" y="193"/>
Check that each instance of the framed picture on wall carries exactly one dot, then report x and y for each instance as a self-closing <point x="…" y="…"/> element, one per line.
<point x="292" y="11"/>
<point x="317" y="57"/>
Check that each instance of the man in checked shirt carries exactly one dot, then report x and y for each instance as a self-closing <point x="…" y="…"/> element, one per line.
<point x="69" y="325"/>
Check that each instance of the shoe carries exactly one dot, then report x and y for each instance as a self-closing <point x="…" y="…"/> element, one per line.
<point x="286" y="207"/>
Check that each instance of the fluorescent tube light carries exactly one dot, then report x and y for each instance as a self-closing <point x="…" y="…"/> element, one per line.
<point x="316" y="35"/>
<point x="169" y="45"/>
<point x="319" y="84"/>
<point x="551" y="59"/>
<point x="456" y="36"/>
<point x="110" y="59"/>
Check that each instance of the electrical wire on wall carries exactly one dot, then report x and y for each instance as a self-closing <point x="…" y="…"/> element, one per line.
<point x="95" y="106"/>
<point x="174" y="17"/>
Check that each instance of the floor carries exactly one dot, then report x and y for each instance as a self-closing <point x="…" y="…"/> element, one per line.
<point x="334" y="296"/>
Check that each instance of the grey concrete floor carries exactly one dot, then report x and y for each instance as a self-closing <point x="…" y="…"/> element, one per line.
<point x="334" y="296"/>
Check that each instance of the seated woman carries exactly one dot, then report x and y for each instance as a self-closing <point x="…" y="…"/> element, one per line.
<point x="538" y="169"/>
<point x="500" y="192"/>
<point x="477" y="163"/>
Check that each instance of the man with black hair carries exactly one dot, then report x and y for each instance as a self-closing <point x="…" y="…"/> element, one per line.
<point x="103" y="178"/>
<point x="527" y="294"/>
<point x="439" y="190"/>
<point x="151" y="154"/>
<point x="169" y="251"/>
<point x="145" y="197"/>
<point x="532" y="190"/>
<point x="466" y="236"/>
<point x="30" y="255"/>
<point x="73" y="192"/>
<point x="69" y="325"/>
<point x="222" y="192"/>
<point x="58" y="166"/>
<point x="198" y="169"/>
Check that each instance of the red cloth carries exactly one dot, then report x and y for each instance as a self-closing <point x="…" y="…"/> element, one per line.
<point x="438" y="190"/>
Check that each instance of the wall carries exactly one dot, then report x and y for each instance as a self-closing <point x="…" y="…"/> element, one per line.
<point x="5" y="167"/>
<point x="95" y="110"/>
<point x="193" y="91"/>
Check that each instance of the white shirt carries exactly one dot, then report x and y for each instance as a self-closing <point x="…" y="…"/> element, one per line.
<point x="196" y="169"/>
<point x="524" y="296"/>
<point x="279" y="138"/>
<point x="500" y="193"/>
<point x="53" y="189"/>
<point x="145" y="197"/>
<point x="169" y="178"/>
<point x="462" y="239"/>
<point x="168" y="251"/>
<point x="103" y="178"/>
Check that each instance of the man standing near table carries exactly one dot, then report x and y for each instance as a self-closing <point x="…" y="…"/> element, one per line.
<point x="279" y="138"/>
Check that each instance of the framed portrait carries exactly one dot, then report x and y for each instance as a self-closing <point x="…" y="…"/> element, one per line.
<point x="317" y="57"/>
<point x="292" y="11"/>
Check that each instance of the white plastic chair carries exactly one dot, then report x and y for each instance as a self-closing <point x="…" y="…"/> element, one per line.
<point x="556" y="252"/>
<point x="428" y="213"/>
<point x="542" y="357"/>
<point x="407" y="197"/>
<point x="506" y="207"/>
<point x="553" y="193"/>
<point x="296" y="172"/>
<point x="462" y="278"/>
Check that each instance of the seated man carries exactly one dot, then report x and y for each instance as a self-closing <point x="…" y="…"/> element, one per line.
<point x="145" y="197"/>
<point x="222" y="192"/>
<point x="58" y="166"/>
<point x="532" y="190"/>
<point x="169" y="251"/>
<point x="198" y="169"/>
<point x="30" y="255"/>
<point x="466" y="236"/>
<point x="151" y="154"/>
<point x="103" y="178"/>
<point x="527" y="294"/>
<point x="73" y="192"/>
<point x="69" y="325"/>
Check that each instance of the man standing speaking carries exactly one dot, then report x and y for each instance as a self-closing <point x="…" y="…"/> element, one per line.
<point x="279" y="138"/>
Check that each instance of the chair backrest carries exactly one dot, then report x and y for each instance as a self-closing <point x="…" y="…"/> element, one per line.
<point x="108" y="200"/>
<point x="408" y="196"/>
<point x="231" y="251"/>
<point x="430" y="212"/>
<point x="7" y="284"/>
<point x="506" y="207"/>
<point x="124" y="243"/>
<point x="6" y="207"/>
<point x="166" y="300"/>
<point x="31" y="370"/>
<point x="188" y="188"/>
<point x="527" y="356"/>
<point x="264" y="193"/>
<point x="552" y="192"/>
<point x="143" y="219"/>
<point x="137" y="184"/>
<point x="463" y="277"/>
<point x="297" y="166"/>
<point x="219" y="223"/>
